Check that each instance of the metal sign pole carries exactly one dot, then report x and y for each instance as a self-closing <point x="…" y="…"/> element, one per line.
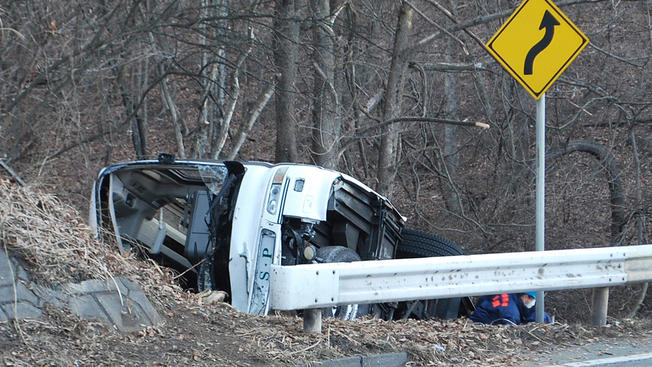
<point x="541" y="192"/>
<point x="507" y="46"/>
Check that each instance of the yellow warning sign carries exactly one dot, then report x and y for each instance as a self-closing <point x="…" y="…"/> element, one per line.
<point x="536" y="44"/>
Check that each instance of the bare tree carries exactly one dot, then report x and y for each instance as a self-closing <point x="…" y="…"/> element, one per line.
<point x="387" y="155"/>
<point x="286" y="37"/>
<point x="327" y="108"/>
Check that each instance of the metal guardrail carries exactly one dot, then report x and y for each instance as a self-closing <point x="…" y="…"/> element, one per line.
<point x="323" y="285"/>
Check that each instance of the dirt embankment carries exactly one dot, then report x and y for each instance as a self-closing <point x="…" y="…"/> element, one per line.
<point x="56" y="247"/>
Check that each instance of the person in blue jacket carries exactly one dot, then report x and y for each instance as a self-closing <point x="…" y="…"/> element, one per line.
<point x="507" y="308"/>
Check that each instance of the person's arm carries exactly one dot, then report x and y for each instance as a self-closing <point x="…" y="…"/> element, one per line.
<point x="531" y="317"/>
<point x="510" y="313"/>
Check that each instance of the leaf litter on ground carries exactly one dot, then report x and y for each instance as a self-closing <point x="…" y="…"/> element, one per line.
<point x="56" y="247"/>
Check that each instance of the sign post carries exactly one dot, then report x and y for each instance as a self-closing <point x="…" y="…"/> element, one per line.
<point x="535" y="45"/>
<point x="540" y="210"/>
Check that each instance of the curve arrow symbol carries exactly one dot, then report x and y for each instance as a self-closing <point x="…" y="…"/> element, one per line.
<point x="548" y="22"/>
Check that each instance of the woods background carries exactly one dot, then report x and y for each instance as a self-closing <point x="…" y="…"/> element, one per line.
<point x="362" y="86"/>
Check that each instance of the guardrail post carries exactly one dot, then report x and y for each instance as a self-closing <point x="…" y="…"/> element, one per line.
<point x="600" y="300"/>
<point x="312" y="321"/>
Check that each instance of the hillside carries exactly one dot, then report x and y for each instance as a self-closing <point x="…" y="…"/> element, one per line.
<point x="55" y="247"/>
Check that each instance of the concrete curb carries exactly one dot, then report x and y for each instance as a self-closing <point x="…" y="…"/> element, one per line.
<point x="118" y="302"/>
<point x="16" y="300"/>
<point x="374" y="360"/>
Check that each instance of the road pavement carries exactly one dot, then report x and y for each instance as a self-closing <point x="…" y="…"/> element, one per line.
<point x="609" y="352"/>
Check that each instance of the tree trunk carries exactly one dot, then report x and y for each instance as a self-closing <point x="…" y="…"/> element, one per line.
<point x="640" y="217"/>
<point x="450" y="157"/>
<point x="286" y="57"/>
<point x="171" y="106"/>
<point x="138" y="133"/>
<point x="213" y="73"/>
<point x="240" y="137"/>
<point x="326" y="108"/>
<point x="230" y="109"/>
<point x="220" y="123"/>
<point x="392" y="103"/>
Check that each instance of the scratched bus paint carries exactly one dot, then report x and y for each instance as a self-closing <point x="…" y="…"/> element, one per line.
<point x="260" y="294"/>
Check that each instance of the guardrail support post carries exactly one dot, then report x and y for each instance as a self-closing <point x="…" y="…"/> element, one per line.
<point x="312" y="321"/>
<point x="600" y="302"/>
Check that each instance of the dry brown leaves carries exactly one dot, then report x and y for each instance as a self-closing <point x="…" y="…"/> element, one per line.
<point x="57" y="247"/>
<point x="433" y="342"/>
<point x="200" y="330"/>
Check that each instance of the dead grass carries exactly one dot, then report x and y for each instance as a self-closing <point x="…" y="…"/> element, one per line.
<point x="57" y="247"/>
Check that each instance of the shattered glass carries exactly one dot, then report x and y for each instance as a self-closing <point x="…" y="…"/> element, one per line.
<point x="213" y="177"/>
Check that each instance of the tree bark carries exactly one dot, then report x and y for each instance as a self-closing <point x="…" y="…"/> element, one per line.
<point x="213" y="82"/>
<point x="240" y="137"/>
<point x="640" y="216"/>
<point x="138" y="134"/>
<point x="450" y="157"/>
<point x="392" y="103"/>
<point x="220" y="121"/>
<point x="286" y="52"/>
<point x="171" y="106"/>
<point x="326" y="108"/>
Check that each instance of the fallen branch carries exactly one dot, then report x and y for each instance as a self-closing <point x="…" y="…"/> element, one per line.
<point x="11" y="172"/>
